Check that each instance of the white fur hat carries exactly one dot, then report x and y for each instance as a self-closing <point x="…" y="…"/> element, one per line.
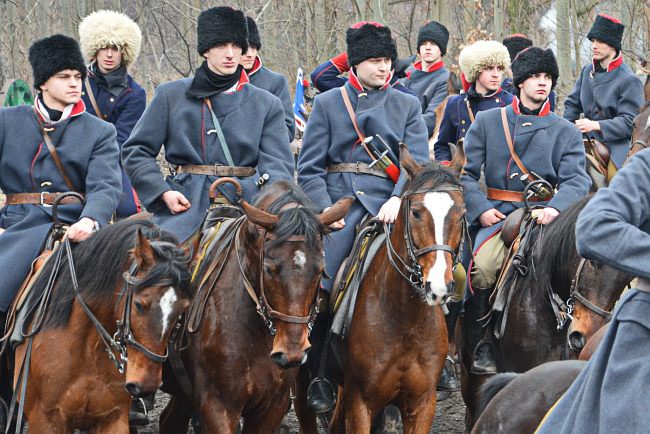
<point x="476" y="57"/>
<point x="103" y="29"/>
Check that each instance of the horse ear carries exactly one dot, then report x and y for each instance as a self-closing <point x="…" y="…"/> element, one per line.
<point x="259" y="217"/>
<point x="142" y="252"/>
<point x="336" y="211"/>
<point x="459" y="158"/>
<point x="407" y="162"/>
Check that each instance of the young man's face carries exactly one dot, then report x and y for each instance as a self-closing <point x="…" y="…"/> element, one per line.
<point x="373" y="73"/>
<point x="224" y="59"/>
<point x="430" y="52"/>
<point x="248" y="59"/>
<point x="108" y="59"/>
<point x="491" y="77"/>
<point x="62" y="89"/>
<point x="602" y="51"/>
<point x="536" y="88"/>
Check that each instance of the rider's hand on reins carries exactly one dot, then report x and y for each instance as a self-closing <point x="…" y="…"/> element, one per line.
<point x="339" y="224"/>
<point x="545" y="215"/>
<point x="587" y="125"/>
<point x="81" y="230"/>
<point x="389" y="210"/>
<point x="176" y="202"/>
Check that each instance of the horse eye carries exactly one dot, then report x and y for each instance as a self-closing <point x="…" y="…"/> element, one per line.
<point x="139" y="307"/>
<point x="416" y="213"/>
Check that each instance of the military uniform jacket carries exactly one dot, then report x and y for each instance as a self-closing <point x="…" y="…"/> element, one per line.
<point x="546" y="144"/>
<point x="252" y="121"/>
<point x="431" y="87"/>
<point x="330" y="138"/>
<point x="123" y="110"/>
<point x="456" y="119"/>
<point x="88" y="152"/>
<point x="612" y="98"/>
<point x="275" y="83"/>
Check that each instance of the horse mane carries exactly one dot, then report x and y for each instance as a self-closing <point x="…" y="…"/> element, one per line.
<point x="556" y="247"/>
<point x="644" y="107"/>
<point x="493" y="386"/>
<point x="301" y="220"/>
<point x="99" y="262"/>
<point x="434" y="174"/>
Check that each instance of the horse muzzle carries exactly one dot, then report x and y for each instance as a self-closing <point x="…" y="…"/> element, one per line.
<point x="576" y="341"/>
<point x="287" y="361"/>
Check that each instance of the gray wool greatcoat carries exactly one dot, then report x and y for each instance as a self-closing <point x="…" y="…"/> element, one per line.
<point x="547" y="145"/>
<point x="277" y="84"/>
<point x="330" y="139"/>
<point x="611" y="394"/>
<point x="89" y="153"/>
<point x="431" y="88"/>
<point x="252" y="121"/>
<point x="611" y="98"/>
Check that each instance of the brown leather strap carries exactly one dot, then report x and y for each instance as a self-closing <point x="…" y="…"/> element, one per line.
<point x="353" y="118"/>
<point x="44" y="198"/>
<point x="509" y="195"/>
<point x="469" y="110"/>
<point x="93" y="101"/>
<point x="358" y="168"/>
<point x="511" y="147"/>
<point x="53" y="153"/>
<point x="216" y="170"/>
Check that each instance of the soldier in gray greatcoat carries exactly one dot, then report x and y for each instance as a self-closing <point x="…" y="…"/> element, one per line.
<point x="29" y="176"/>
<point x="546" y="144"/>
<point x="262" y="77"/>
<point x="428" y="77"/>
<point x="212" y="125"/>
<point x="611" y="393"/>
<point x="607" y="93"/>
<point x="333" y="162"/>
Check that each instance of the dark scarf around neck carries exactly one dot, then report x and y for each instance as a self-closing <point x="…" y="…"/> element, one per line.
<point x="528" y="112"/>
<point x="207" y="83"/>
<point x="114" y="82"/>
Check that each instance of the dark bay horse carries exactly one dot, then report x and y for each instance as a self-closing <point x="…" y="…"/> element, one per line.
<point x="641" y="131"/>
<point x="397" y="341"/>
<point x="133" y="281"/>
<point x="243" y="358"/>
<point x="532" y="336"/>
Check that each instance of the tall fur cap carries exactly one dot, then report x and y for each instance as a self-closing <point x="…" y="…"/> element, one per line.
<point x="220" y="25"/>
<point x="254" y="39"/>
<point x="54" y="54"/>
<point x="531" y="61"/>
<point x="476" y="57"/>
<point x="608" y="30"/>
<point x="516" y="43"/>
<point x="104" y="29"/>
<point x="435" y="32"/>
<point x="368" y="41"/>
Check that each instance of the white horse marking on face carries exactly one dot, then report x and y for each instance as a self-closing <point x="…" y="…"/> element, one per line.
<point x="167" y="302"/>
<point x="300" y="259"/>
<point x="647" y="124"/>
<point x="438" y="204"/>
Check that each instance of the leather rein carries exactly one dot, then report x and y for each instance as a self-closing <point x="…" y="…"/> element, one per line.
<point x="412" y="269"/>
<point x="576" y="296"/>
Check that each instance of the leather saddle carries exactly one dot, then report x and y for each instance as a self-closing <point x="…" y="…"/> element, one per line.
<point x="511" y="227"/>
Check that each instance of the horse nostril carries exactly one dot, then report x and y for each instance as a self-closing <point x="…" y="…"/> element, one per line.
<point x="577" y="340"/>
<point x="280" y="359"/>
<point x="134" y="389"/>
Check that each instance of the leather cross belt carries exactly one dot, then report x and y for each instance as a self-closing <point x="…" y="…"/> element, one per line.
<point x="216" y="170"/>
<point x="510" y="196"/>
<point x="358" y="168"/>
<point x="44" y="198"/>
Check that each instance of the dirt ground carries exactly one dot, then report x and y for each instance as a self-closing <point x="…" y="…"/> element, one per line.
<point x="449" y="419"/>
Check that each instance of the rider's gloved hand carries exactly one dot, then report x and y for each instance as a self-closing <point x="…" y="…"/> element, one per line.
<point x="82" y="229"/>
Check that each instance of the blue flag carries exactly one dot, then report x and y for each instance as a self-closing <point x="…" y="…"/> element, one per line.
<point x="299" y="102"/>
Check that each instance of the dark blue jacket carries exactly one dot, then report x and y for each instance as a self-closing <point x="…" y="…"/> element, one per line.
<point x="431" y="87"/>
<point x="508" y="86"/>
<point x="456" y="120"/>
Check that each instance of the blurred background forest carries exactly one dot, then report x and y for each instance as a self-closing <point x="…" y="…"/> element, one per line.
<point x="304" y="33"/>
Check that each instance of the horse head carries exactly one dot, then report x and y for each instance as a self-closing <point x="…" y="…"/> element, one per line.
<point x="283" y="248"/>
<point x="641" y="131"/>
<point x="154" y="294"/>
<point x="432" y="220"/>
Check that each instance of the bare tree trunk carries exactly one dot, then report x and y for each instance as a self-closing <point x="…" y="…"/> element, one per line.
<point x="564" y="47"/>
<point x="499" y="12"/>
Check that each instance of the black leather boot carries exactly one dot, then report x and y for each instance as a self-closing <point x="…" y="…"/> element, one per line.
<point x="448" y="379"/>
<point x="321" y="394"/>
<point x="484" y="356"/>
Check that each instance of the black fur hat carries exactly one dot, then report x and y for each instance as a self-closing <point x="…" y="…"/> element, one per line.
<point x="531" y="61"/>
<point x="515" y="43"/>
<point x="219" y="25"/>
<point x="254" y="39"/>
<point x="608" y="30"/>
<point x="435" y="32"/>
<point x="369" y="40"/>
<point x="54" y="54"/>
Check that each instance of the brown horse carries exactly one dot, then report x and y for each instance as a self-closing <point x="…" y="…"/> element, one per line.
<point x="397" y="341"/>
<point x="241" y="365"/>
<point x="132" y="286"/>
<point x="641" y="131"/>
<point x="534" y="333"/>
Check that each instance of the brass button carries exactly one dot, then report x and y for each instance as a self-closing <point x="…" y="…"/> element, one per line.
<point x="111" y="99"/>
<point x="497" y="100"/>
<point x="83" y="93"/>
<point x="360" y="193"/>
<point x="463" y="122"/>
<point x="463" y="130"/>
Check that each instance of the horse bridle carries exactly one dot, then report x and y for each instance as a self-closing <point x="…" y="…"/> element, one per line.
<point x="262" y="306"/>
<point x="413" y="271"/>
<point x="574" y="295"/>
